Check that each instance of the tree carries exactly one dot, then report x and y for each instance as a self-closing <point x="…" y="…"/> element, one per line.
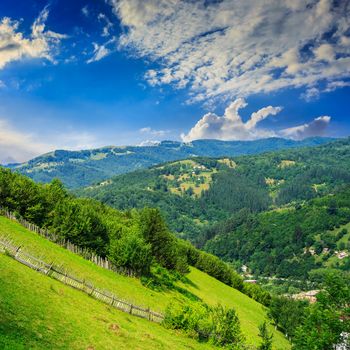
<point x="155" y="232"/>
<point x="286" y="313"/>
<point x="332" y="207"/>
<point x="131" y="252"/>
<point x="266" y="337"/>
<point x="328" y="319"/>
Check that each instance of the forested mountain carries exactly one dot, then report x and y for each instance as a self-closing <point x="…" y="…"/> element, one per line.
<point x="195" y="192"/>
<point x="219" y="201"/>
<point x="81" y="168"/>
<point x="294" y="241"/>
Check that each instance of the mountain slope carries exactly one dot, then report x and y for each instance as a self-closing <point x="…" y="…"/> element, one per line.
<point x="40" y="313"/>
<point x="199" y="191"/>
<point x="67" y="304"/>
<point x="81" y="168"/>
<point x="289" y="242"/>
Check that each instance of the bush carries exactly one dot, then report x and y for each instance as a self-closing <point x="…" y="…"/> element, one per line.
<point x="217" y="325"/>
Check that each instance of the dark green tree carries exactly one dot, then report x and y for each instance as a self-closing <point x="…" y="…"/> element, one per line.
<point x="266" y="337"/>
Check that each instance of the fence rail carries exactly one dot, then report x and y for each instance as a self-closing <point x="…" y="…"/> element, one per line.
<point x="54" y="237"/>
<point x="16" y="252"/>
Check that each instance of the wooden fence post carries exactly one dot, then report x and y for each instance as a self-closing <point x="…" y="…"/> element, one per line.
<point x="17" y="251"/>
<point x="50" y="267"/>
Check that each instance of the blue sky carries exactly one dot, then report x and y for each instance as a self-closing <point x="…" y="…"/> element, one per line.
<point x="80" y="74"/>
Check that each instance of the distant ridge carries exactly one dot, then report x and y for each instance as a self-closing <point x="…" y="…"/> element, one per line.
<point x="81" y="168"/>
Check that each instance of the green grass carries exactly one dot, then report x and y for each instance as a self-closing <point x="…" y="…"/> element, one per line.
<point x="250" y="312"/>
<point x="210" y="290"/>
<point x="38" y="312"/>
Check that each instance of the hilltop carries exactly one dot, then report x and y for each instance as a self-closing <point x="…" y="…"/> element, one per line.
<point x="81" y="168"/>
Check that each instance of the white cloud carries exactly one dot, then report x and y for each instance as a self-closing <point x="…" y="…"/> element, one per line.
<point x="316" y="128"/>
<point x="149" y="131"/>
<point x="19" y="146"/>
<point x="311" y="94"/>
<point x="149" y="143"/>
<point x="85" y="11"/>
<point x="237" y="48"/>
<point x="314" y="93"/>
<point x="15" y="46"/>
<point x="107" y="26"/>
<point x="230" y="126"/>
<point x="101" y="51"/>
<point x="335" y="85"/>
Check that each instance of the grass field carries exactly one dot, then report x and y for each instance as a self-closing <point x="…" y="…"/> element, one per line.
<point x="38" y="312"/>
<point x="29" y="287"/>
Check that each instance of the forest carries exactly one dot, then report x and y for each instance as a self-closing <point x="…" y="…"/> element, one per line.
<point x="190" y="195"/>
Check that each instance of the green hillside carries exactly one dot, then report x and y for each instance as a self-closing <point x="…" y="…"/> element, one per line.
<point x="288" y="242"/>
<point x="51" y="307"/>
<point x="40" y="313"/>
<point x="194" y="193"/>
<point x="81" y="168"/>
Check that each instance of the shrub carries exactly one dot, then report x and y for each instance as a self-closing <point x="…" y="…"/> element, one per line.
<point x="217" y="325"/>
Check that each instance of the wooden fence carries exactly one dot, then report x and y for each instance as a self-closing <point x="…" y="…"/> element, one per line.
<point x="83" y="252"/>
<point x="6" y="246"/>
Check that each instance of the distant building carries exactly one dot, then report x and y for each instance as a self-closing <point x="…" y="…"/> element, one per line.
<point x="309" y="295"/>
<point x="342" y="255"/>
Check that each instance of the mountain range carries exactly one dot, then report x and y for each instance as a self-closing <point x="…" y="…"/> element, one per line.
<point x="287" y="206"/>
<point x="81" y="168"/>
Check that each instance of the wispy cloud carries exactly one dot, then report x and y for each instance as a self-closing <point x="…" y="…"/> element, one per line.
<point x="230" y="125"/>
<point x="152" y="132"/>
<point x="237" y="48"/>
<point x="102" y="50"/>
<point x="85" y="11"/>
<point x="14" y="45"/>
<point x="108" y="25"/>
<point x="313" y="93"/>
<point x="18" y="146"/>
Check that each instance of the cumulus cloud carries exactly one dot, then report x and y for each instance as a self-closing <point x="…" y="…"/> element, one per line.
<point x="237" y="48"/>
<point x="14" y="45"/>
<point x="19" y="146"/>
<point x="316" y="128"/>
<point x="230" y="126"/>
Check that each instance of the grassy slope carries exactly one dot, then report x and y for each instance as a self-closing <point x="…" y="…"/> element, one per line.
<point x="38" y="312"/>
<point x="210" y="290"/>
